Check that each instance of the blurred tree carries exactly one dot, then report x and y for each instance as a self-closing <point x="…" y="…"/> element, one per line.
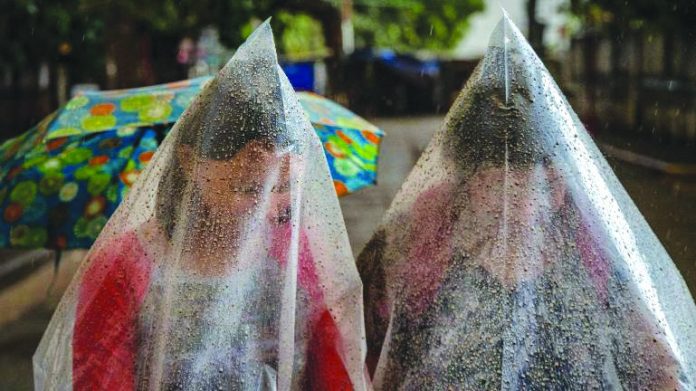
<point x="133" y="27"/>
<point x="536" y="29"/>
<point x="42" y="31"/>
<point x="48" y="45"/>
<point x="43" y="42"/>
<point x="78" y="31"/>
<point x="408" y="25"/>
<point x="301" y="36"/>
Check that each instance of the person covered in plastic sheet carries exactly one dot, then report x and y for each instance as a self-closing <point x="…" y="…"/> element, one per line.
<point x="228" y="266"/>
<point x="513" y="259"/>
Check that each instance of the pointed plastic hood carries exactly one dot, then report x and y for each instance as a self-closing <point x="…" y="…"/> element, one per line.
<point x="247" y="95"/>
<point x="513" y="101"/>
<point x="227" y="266"/>
<point x="512" y="257"/>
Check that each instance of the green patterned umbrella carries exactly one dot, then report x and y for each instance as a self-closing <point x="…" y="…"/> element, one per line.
<point x="61" y="180"/>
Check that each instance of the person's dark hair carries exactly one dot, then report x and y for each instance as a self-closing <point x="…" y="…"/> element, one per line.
<point x="481" y="122"/>
<point x="242" y="104"/>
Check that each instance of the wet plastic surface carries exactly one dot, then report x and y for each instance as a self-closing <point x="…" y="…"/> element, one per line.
<point x="227" y="266"/>
<point x="512" y="257"/>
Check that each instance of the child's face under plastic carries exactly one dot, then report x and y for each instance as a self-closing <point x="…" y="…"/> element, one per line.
<point x="256" y="177"/>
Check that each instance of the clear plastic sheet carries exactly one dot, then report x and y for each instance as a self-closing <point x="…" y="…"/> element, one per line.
<point x="512" y="258"/>
<point x="228" y="266"/>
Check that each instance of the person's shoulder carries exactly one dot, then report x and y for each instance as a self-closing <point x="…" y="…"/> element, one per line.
<point x="119" y="241"/>
<point x="435" y="196"/>
<point x="128" y="243"/>
<point x="118" y="263"/>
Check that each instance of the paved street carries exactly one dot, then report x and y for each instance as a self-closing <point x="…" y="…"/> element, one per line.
<point x="405" y="140"/>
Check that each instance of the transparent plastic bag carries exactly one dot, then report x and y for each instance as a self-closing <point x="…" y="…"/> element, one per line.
<point x="512" y="257"/>
<point x="228" y="266"/>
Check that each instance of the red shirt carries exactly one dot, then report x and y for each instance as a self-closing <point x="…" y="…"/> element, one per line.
<point x="113" y="286"/>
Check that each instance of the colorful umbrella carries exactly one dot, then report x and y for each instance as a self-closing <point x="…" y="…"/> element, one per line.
<point x="99" y="111"/>
<point x="59" y="194"/>
<point x="351" y="143"/>
<point x="61" y="180"/>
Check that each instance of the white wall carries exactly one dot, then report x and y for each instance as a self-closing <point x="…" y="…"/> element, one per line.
<point x="474" y="43"/>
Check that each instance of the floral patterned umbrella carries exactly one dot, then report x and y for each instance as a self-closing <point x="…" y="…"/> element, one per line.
<point x="351" y="143"/>
<point x="99" y="111"/>
<point x="61" y="180"/>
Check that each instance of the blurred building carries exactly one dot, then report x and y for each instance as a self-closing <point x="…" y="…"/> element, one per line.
<point x="640" y="82"/>
<point x="637" y="82"/>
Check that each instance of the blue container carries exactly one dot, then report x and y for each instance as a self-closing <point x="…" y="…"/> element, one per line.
<point x="301" y="75"/>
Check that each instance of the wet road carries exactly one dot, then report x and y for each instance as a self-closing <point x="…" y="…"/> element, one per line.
<point x="668" y="203"/>
<point x="405" y="140"/>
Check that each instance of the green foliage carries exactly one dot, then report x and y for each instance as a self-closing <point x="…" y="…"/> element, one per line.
<point x="182" y="17"/>
<point x="77" y="31"/>
<point x="407" y="25"/>
<point x="300" y="36"/>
